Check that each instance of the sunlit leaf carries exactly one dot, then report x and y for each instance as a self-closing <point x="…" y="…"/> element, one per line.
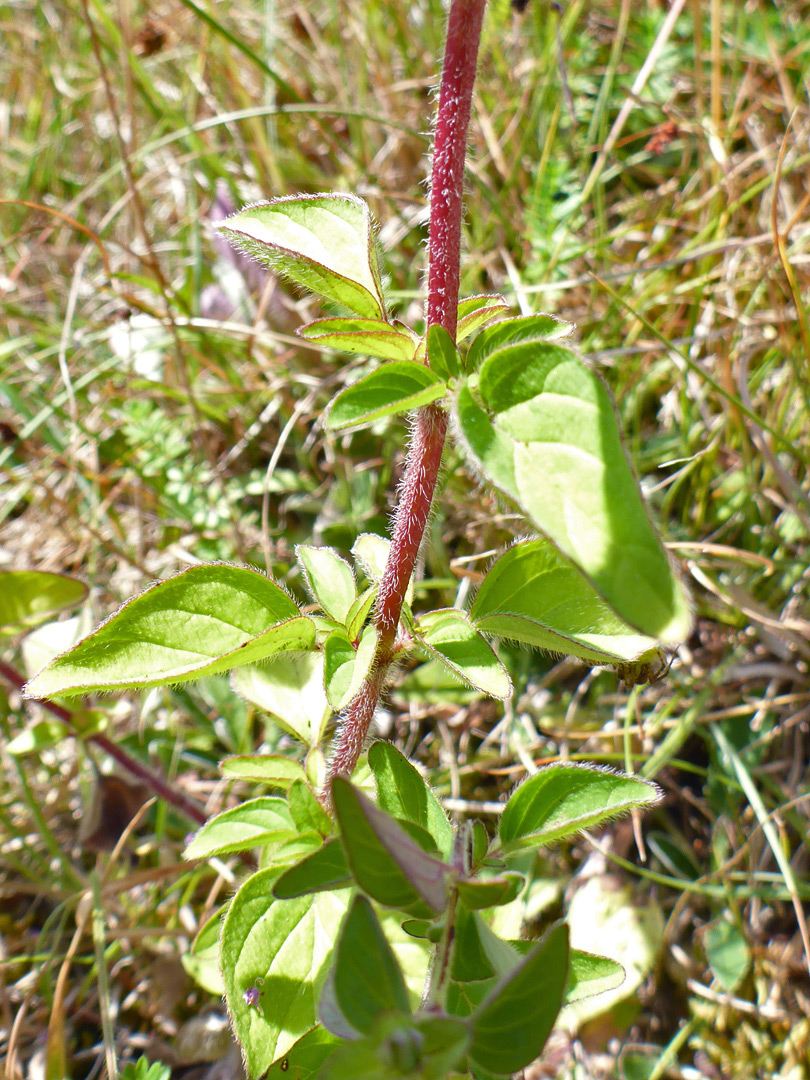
<point x="322" y="242"/>
<point x="346" y="667"/>
<point x="397" y="387"/>
<point x="364" y="337"/>
<point x="534" y="595"/>
<point x="325" y="868"/>
<point x="475" y="312"/>
<point x="511" y="1025"/>
<point x="249" y="825"/>
<point x="271" y="769"/>
<point x="403" y="793"/>
<point x="205" y="620"/>
<point x="561" y="800"/>
<point x="329" y="579"/>
<point x="275" y="957"/>
<point x="540" y="426"/>
<point x="290" y="688"/>
<point x="27" y="597"/>
<point x="448" y="635"/>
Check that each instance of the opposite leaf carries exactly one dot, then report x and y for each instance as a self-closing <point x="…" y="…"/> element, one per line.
<point x="475" y="312"/>
<point x="561" y="800"/>
<point x="397" y="387"/>
<point x="534" y="595"/>
<point x="202" y="621"/>
<point x="290" y="688"/>
<point x="252" y="824"/>
<point x="364" y="337"/>
<point x="27" y="597"/>
<point x="511" y="1026"/>
<point x="448" y="636"/>
<point x="275" y="957"/>
<point x="366" y="979"/>
<point x="543" y="430"/>
<point x="403" y="793"/>
<point x="329" y="579"/>
<point x="386" y="863"/>
<point x="322" y="242"/>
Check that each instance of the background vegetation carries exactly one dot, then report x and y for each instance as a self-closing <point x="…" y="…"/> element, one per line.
<point x="156" y="409"/>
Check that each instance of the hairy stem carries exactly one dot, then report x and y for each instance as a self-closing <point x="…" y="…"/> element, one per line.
<point x="427" y="441"/>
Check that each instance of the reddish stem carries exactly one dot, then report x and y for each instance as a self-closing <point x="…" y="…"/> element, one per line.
<point x="152" y="780"/>
<point x="427" y="442"/>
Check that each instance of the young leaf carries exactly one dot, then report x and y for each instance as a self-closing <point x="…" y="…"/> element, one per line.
<point x="511" y="1025"/>
<point x="253" y="823"/>
<point x="727" y="952"/>
<point x="275" y="957"/>
<point x="371" y="554"/>
<point x="359" y="612"/>
<point x="291" y="689"/>
<point x="306" y="811"/>
<point x="442" y="353"/>
<point x="535" y="595"/>
<point x="365" y="337"/>
<point x="589" y="974"/>
<point x="367" y="978"/>
<point x="324" y="869"/>
<point x="385" y="862"/>
<point x="345" y="668"/>
<point x="323" y="242"/>
<point x="480" y="893"/>
<point x="526" y="330"/>
<point x="546" y="436"/>
<point x="475" y="312"/>
<point x="398" y="387"/>
<point x="448" y="636"/>
<point x="28" y="597"/>
<point x="201" y="962"/>
<point x="560" y="800"/>
<point x="403" y="793"/>
<point x="305" y="1059"/>
<point x="329" y="579"/>
<point x="202" y="621"/>
<point x="271" y="769"/>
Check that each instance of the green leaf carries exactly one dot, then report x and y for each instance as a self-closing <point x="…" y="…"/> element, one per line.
<point x="534" y="595"/>
<point x="403" y="793"/>
<point x="545" y="434"/>
<point x="324" y="869"/>
<point x="271" y="769"/>
<point x="345" y="668"/>
<point x="329" y="579"/>
<point x="490" y="892"/>
<point x="371" y="554"/>
<point x="36" y="737"/>
<point x="512" y="1024"/>
<point x="202" y="621"/>
<point x="251" y="824"/>
<point x="291" y="689"/>
<point x="589" y="974"/>
<point x="560" y="800"/>
<point x="442" y="353"/>
<point x="449" y="637"/>
<point x="397" y="387"/>
<point x="359" y="612"/>
<point x="367" y="978"/>
<point x="526" y="330"/>
<point x="277" y="952"/>
<point x="727" y="952"/>
<point x="28" y="597"/>
<point x="306" y="811"/>
<point x="475" y="311"/>
<point x="364" y="337"/>
<point x="305" y="1058"/>
<point x="201" y="962"/>
<point x="419" y="1048"/>
<point x="323" y="242"/>
<point x="385" y="862"/>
